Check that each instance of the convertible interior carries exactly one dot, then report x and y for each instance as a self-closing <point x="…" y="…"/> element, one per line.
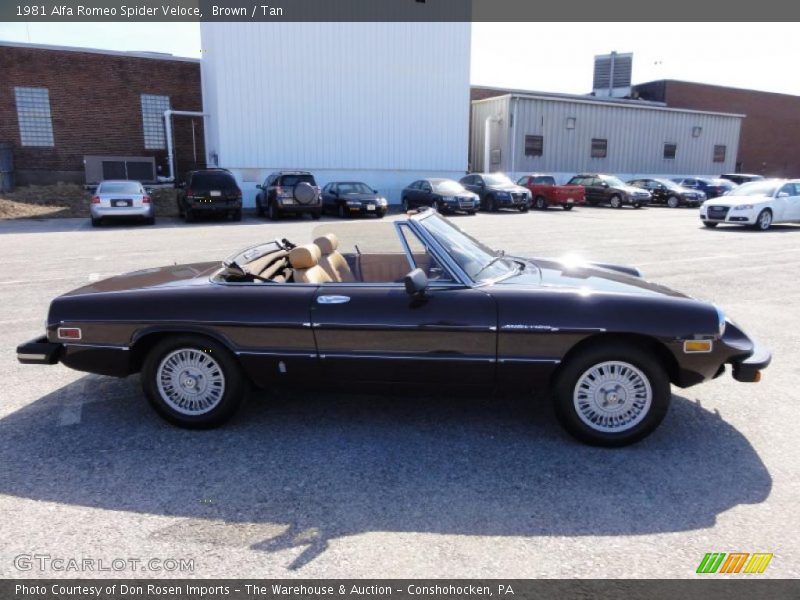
<point x="322" y="262"/>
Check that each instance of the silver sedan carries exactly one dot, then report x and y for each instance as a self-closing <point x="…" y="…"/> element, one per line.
<point x="123" y="199"/>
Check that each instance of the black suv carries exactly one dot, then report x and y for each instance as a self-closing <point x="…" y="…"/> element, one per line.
<point x="497" y="191"/>
<point x="289" y="192"/>
<point x="209" y="191"/>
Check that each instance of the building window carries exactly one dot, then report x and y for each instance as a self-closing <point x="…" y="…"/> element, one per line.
<point x="570" y="122"/>
<point x="696" y="131"/>
<point x="534" y="145"/>
<point x="33" y="113"/>
<point x="670" y="150"/>
<point x="719" y="153"/>
<point x="153" y="108"/>
<point x="599" y="148"/>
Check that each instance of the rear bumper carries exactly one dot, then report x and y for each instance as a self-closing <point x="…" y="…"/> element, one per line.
<point x="220" y="206"/>
<point x="298" y="208"/>
<point x="105" y="212"/>
<point x="39" y="352"/>
<point x="746" y="369"/>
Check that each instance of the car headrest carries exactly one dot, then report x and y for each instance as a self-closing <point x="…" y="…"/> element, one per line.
<point x="327" y="243"/>
<point x="304" y="257"/>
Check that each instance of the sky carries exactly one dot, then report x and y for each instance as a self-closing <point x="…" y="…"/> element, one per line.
<point x="547" y="57"/>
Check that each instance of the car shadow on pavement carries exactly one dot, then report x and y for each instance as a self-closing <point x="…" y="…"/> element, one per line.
<point x="294" y="470"/>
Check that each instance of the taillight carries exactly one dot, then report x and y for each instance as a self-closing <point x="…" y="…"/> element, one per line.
<point x="146" y="199"/>
<point x="95" y="199"/>
<point x="69" y="333"/>
<point x="279" y="190"/>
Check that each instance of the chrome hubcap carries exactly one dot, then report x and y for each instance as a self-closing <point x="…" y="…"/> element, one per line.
<point x="190" y="381"/>
<point x="765" y="220"/>
<point x="612" y="396"/>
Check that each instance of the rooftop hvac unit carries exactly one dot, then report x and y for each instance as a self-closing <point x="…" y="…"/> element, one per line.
<point x="612" y="75"/>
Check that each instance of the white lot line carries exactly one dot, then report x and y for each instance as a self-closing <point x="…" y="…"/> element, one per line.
<point x="710" y="257"/>
<point x="73" y="406"/>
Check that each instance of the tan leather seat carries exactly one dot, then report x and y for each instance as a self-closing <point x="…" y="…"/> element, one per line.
<point x="334" y="264"/>
<point x="305" y="265"/>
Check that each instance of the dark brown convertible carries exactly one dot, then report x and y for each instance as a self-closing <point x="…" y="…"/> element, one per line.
<point x="415" y="301"/>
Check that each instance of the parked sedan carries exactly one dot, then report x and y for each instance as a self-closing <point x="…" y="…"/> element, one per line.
<point x="609" y="189"/>
<point x="445" y="195"/>
<point x="350" y="198"/>
<point x="115" y="199"/>
<point x="497" y="191"/>
<point x="415" y="303"/>
<point x="665" y="191"/>
<point x="710" y="186"/>
<point x="758" y="204"/>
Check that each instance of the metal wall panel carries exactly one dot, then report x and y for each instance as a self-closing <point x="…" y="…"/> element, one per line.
<point x="636" y="136"/>
<point x="337" y="96"/>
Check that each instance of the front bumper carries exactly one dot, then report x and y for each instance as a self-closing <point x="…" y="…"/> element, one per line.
<point x="747" y="369"/>
<point x="735" y="217"/>
<point x="467" y="205"/>
<point x="642" y="200"/>
<point x="513" y="202"/>
<point x="364" y="209"/>
<point x="39" y="352"/>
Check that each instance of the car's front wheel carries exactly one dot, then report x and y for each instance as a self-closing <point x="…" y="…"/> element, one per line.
<point x="710" y="224"/>
<point x="192" y="381"/>
<point x="611" y="394"/>
<point x="272" y="212"/>
<point x="764" y="220"/>
<point x="404" y="204"/>
<point x="540" y="203"/>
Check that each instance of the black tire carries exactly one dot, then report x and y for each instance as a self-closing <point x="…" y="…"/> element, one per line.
<point x="575" y="371"/>
<point x="764" y="220"/>
<point x="96" y="222"/>
<point x="259" y="209"/>
<point x="615" y="201"/>
<point x="380" y="214"/>
<point x="540" y="203"/>
<point x="471" y="212"/>
<point x="404" y="204"/>
<point x="233" y="381"/>
<point x="493" y="204"/>
<point x="272" y="213"/>
<point x="437" y="206"/>
<point x="524" y="208"/>
<point x="637" y="205"/>
<point x="710" y="224"/>
<point x="189" y="215"/>
<point x="236" y="215"/>
<point x="673" y="202"/>
<point x="341" y="212"/>
<point x="150" y="221"/>
<point x="568" y="206"/>
<point x="316" y="214"/>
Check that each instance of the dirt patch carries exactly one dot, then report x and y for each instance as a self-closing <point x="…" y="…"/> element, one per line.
<point x="67" y="200"/>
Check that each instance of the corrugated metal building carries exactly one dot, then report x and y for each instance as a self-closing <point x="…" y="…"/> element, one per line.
<point x="386" y="103"/>
<point x="565" y="134"/>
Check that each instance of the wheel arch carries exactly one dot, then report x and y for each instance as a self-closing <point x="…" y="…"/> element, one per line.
<point x="143" y="341"/>
<point x="637" y="341"/>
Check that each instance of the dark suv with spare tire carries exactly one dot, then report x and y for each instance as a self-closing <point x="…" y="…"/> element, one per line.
<point x="289" y="193"/>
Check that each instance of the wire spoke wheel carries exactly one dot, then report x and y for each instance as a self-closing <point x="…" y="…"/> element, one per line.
<point x="612" y="397"/>
<point x="190" y="381"/>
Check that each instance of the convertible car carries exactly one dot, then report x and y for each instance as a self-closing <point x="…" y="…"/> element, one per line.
<point x="414" y="301"/>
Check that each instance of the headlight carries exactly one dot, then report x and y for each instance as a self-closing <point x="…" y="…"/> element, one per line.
<point x="721" y="320"/>
<point x="381" y="201"/>
<point x="743" y="207"/>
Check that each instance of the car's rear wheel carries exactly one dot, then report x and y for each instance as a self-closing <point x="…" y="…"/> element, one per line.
<point x="236" y="215"/>
<point x="764" y="220"/>
<point x="96" y="222"/>
<point x="673" y="202"/>
<point x="615" y="201"/>
<point x="540" y="203"/>
<point x="189" y="215"/>
<point x="259" y="209"/>
<point x="404" y="204"/>
<point x="568" y="206"/>
<point x="611" y="394"/>
<point x="192" y="381"/>
<point x="272" y="212"/>
<point x="316" y="214"/>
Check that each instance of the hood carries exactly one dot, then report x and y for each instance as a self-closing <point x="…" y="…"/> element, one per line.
<point x="363" y="197"/>
<point x="461" y="194"/>
<point x="731" y="200"/>
<point x="630" y="189"/>
<point x="586" y="278"/>
<point x="507" y="187"/>
<point x="175" y="275"/>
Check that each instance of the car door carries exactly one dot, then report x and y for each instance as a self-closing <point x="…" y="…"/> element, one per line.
<point x="411" y="194"/>
<point x="793" y="203"/>
<point x="594" y="189"/>
<point x="468" y="182"/>
<point x="425" y="194"/>
<point x="377" y="332"/>
<point x="782" y="207"/>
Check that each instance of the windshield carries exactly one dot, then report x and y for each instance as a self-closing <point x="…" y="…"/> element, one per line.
<point x="668" y="184"/>
<point x="120" y="187"/>
<point x="447" y="186"/>
<point x="756" y="188"/>
<point x="213" y="181"/>
<point x="293" y="180"/>
<point x="613" y="181"/>
<point x="497" y="179"/>
<point x="355" y="187"/>
<point x="476" y="260"/>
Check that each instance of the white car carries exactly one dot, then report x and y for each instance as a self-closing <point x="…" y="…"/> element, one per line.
<point x="758" y="204"/>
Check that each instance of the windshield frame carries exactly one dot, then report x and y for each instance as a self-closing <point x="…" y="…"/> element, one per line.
<point x="418" y="222"/>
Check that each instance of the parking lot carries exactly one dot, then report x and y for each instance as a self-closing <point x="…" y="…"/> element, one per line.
<point x="336" y="485"/>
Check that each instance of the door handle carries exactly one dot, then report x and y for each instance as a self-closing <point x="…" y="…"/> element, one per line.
<point x="332" y="299"/>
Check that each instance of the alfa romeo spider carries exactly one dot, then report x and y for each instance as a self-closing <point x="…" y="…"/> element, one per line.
<point x="415" y="301"/>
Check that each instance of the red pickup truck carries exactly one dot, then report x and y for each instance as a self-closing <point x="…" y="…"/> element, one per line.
<point x="546" y="193"/>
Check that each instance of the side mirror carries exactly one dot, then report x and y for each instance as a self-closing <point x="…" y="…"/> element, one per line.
<point x="374" y="191"/>
<point x="416" y="282"/>
<point x="259" y="186"/>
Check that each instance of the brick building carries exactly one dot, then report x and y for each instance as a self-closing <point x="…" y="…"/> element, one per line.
<point x="770" y="136"/>
<point x="59" y="105"/>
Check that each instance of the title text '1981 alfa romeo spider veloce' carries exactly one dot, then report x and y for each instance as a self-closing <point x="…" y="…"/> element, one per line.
<point x="415" y="301"/>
